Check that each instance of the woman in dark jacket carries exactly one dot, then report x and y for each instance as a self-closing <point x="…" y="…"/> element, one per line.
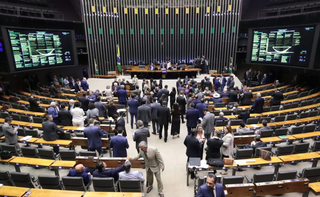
<point x="175" y="126"/>
<point x="172" y="96"/>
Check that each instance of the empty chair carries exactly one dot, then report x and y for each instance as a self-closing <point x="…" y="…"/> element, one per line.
<point x="294" y="105"/>
<point x="313" y="113"/>
<point x="266" y="133"/>
<point x="281" y="131"/>
<point x="292" y="96"/>
<point x="5" y="178"/>
<point x="21" y="132"/>
<point x="5" y="114"/>
<point x="79" y="134"/>
<point x="46" y="153"/>
<point x="292" y="117"/>
<point x="252" y="120"/>
<point x="262" y="177"/>
<point x="244" y="153"/>
<point x="304" y="115"/>
<point x="37" y="119"/>
<point x="232" y="180"/>
<point x="15" y="117"/>
<point x="88" y="153"/>
<point x="49" y="182"/>
<point x="266" y="109"/>
<point x="285" y="150"/>
<point x="310" y="128"/>
<point x="235" y="122"/>
<point x="313" y="174"/>
<point x="279" y="118"/>
<point x="25" y="118"/>
<point x="257" y="151"/>
<point x="221" y="123"/>
<point x="74" y="183"/>
<point x="317" y="100"/>
<point x="33" y="133"/>
<point x="315" y="146"/>
<point x="297" y="130"/>
<point x="302" y="147"/>
<point x="304" y="103"/>
<point x="302" y="94"/>
<point x="274" y="108"/>
<point x="29" y="151"/>
<point x="227" y="112"/>
<point x="21" y="179"/>
<point x="105" y="184"/>
<point x="287" y="106"/>
<point x="268" y="119"/>
<point x="286" y="175"/>
<point x="11" y="148"/>
<point x="22" y="107"/>
<point x="67" y="155"/>
<point x="218" y="105"/>
<point x="133" y="185"/>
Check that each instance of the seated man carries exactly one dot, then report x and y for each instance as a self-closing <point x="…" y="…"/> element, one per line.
<point x="81" y="171"/>
<point x="242" y="129"/>
<point x="221" y="114"/>
<point x="128" y="174"/>
<point x="244" y="115"/>
<point x="211" y="188"/>
<point x="264" y="128"/>
<point x="101" y="171"/>
<point x="257" y="143"/>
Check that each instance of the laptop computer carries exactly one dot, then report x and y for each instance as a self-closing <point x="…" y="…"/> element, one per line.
<point x="194" y="161"/>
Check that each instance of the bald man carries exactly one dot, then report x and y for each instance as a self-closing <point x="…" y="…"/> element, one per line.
<point x="81" y="171"/>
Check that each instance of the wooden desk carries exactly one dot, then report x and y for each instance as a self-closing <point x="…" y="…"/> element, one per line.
<point x="34" y="125"/>
<point x="307" y="135"/>
<point x="257" y="161"/>
<point x="7" y="160"/>
<point x="312" y="156"/>
<point x="112" y="194"/>
<point x="169" y="73"/>
<point x="13" y="191"/>
<point x="270" y="90"/>
<point x="27" y="103"/>
<point x="41" y="141"/>
<point x="107" y="127"/>
<point x="261" y="86"/>
<point x="111" y="162"/>
<point x="243" y="139"/>
<point x="72" y="128"/>
<point x="127" y="194"/>
<point x="44" y="97"/>
<point x="19" y="111"/>
<point x="315" y="187"/>
<point x="276" y="139"/>
<point x="281" y="187"/>
<point x="32" y="140"/>
<point x="82" y="141"/>
<point x="54" y="193"/>
<point x="58" y="164"/>
<point x="301" y="98"/>
<point x="30" y="162"/>
<point x="284" y="94"/>
<point x="243" y="189"/>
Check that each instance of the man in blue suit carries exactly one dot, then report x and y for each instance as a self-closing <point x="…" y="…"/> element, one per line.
<point x="192" y="117"/>
<point x="211" y="188"/>
<point x="119" y="144"/>
<point x="133" y="108"/>
<point x="221" y="114"/>
<point x="81" y="171"/>
<point x="84" y="84"/>
<point x="151" y="66"/>
<point x="257" y="106"/>
<point x="94" y="135"/>
<point x="217" y="84"/>
<point x="122" y="95"/>
<point x="200" y="106"/>
<point x="223" y="82"/>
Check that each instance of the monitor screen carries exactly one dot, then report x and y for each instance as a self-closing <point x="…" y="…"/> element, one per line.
<point x="40" y="48"/>
<point x="287" y="46"/>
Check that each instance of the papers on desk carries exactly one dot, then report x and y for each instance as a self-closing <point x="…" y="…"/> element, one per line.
<point x="244" y="162"/>
<point x="203" y="164"/>
<point x="28" y="137"/>
<point x="255" y="126"/>
<point x="121" y="110"/>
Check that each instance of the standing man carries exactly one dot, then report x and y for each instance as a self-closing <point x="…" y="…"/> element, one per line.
<point x="133" y="108"/>
<point x="154" y="165"/>
<point x="257" y="106"/>
<point x="50" y="129"/>
<point x="84" y="102"/>
<point x="10" y="133"/>
<point x="208" y="123"/>
<point x="192" y="117"/>
<point x="213" y="146"/>
<point x="53" y="91"/>
<point x="101" y="107"/>
<point x="144" y="113"/>
<point x="141" y="134"/>
<point x="154" y="115"/>
<point x="181" y="100"/>
<point x="119" y="121"/>
<point x="164" y="119"/>
<point x="200" y="106"/>
<point x="211" y="188"/>
<point x="122" y="96"/>
<point x="34" y="103"/>
<point x="94" y="135"/>
<point x="92" y="97"/>
<point x="277" y="97"/>
<point x="84" y="84"/>
<point x="119" y="144"/>
<point x="65" y="117"/>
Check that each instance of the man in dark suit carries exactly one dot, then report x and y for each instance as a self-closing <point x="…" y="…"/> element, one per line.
<point x="84" y="102"/>
<point x="50" y="129"/>
<point x="244" y="115"/>
<point x="64" y="116"/>
<point x="164" y="119"/>
<point x="233" y="96"/>
<point x="192" y="117"/>
<point x="119" y="123"/>
<point x="101" y="107"/>
<point x="101" y="171"/>
<point x="221" y="114"/>
<point x="154" y="116"/>
<point x="133" y="104"/>
<point x="277" y="97"/>
<point x="217" y="84"/>
<point x="208" y="84"/>
<point x="223" y="82"/>
<point x="245" y="98"/>
<point x="151" y="66"/>
<point x="84" y="84"/>
<point x="81" y="171"/>
<point x="77" y="86"/>
<point x="200" y="106"/>
<point x="257" y="106"/>
<point x="230" y="82"/>
<point x="257" y="143"/>
<point x="181" y="100"/>
<point x="141" y="134"/>
<point x="213" y="146"/>
<point x="193" y="145"/>
<point x="34" y="103"/>
<point x="53" y="91"/>
<point x="211" y="188"/>
<point x="264" y="79"/>
<point x="144" y="113"/>
<point x="122" y="95"/>
<point x="178" y="83"/>
<point x="94" y="135"/>
<point x="119" y="144"/>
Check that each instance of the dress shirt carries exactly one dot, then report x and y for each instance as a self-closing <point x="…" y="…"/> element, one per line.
<point x="77" y="114"/>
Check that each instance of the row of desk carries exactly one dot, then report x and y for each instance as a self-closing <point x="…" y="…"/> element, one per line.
<point x="35" y="192"/>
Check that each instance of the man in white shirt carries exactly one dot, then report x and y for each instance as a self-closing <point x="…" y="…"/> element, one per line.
<point x="77" y="115"/>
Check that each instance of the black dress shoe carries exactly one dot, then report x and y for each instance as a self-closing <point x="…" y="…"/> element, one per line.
<point x="165" y="140"/>
<point x="160" y="137"/>
<point x="154" y="133"/>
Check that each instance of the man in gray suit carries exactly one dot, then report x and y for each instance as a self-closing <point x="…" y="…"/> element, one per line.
<point x="208" y="123"/>
<point x="154" y="115"/>
<point x="141" y="134"/>
<point x="10" y="133"/>
<point x="144" y="113"/>
<point x="50" y="129"/>
<point x="101" y="107"/>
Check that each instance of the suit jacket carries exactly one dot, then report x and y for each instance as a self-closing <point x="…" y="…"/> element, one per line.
<point x="277" y="98"/>
<point x="101" y="107"/>
<point x="221" y="118"/>
<point x="208" y="123"/>
<point x="144" y="113"/>
<point x="244" y="116"/>
<point x="119" y="145"/>
<point x="76" y="87"/>
<point x="53" y="91"/>
<point x="233" y="96"/>
<point x="200" y="107"/>
<point x="84" y="85"/>
<point x="204" y="191"/>
<point x="84" y="103"/>
<point x="65" y="117"/>
<point x="121" y="122"/>
<point x="193" y="146"/>
<point x="192" y="117"/>
<point x="141" y="135"/>
<point x="34" y="106"/>
<point x="164" y="117"/>
<point x="257" y="106"/>
<point x="154" y="110"/>
<point x="231" y="84"/>
<point x="259" y="144"/>
<point x="182" y="104"/>
<point x="213" y="148"/>
<point x="246" y="98"/>
<point x="153" y="160"/>
<point x="50" y="131"/>
<point x="86" y="177"/>
<point x="113" y="172"/>
<point x="10" y="134"/>
<point x="133" y="106"/>
<point x="93" y="134"/>
<point x="122" y="96"/>
<point x="207" y="84"/>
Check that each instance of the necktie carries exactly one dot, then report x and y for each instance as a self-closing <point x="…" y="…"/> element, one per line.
<point x="213" y="193"/>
